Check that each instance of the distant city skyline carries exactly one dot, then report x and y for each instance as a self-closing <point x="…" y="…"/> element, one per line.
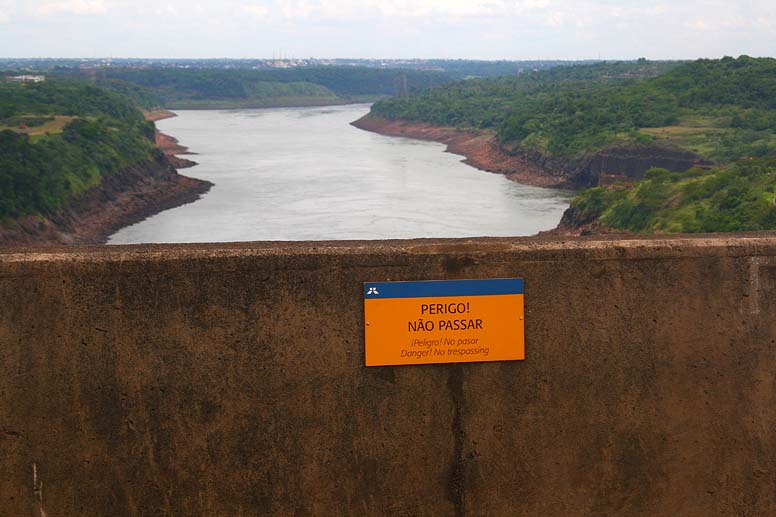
<point x="446" y="29"/>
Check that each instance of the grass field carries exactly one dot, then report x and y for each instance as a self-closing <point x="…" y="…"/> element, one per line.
<point x="700" y="140"/>
<point x="714" y="137"/>
<point x="53" y="125"/>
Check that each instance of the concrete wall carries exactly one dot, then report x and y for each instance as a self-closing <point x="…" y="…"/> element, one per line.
<point x="229" y="380"/>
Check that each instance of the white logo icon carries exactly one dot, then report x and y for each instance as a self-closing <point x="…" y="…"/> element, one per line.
<point x="372" y="290"/>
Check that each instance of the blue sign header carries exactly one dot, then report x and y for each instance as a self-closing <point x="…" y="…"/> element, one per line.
<point x="435" y="288"/>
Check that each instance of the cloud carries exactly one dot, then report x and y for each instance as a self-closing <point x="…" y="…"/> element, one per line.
<point x="349" y="10"/>
<point x="7" y="9"/>
<point x="422" y="8"/>
<point x="257" y="10"/>
<point x="494" y="29"/>
<point x="166" y="10"/>
<point x="73" y="6"/>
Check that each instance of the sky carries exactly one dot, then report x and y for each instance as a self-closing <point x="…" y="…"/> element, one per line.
<point x="468" y="29"/>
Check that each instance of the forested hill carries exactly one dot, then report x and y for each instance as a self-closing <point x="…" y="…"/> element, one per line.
<point x="213" y="88"/>
<point x="735" y="197"/>
<point x="64" y="98"/>
<point x="718" y="109"/>
<point x="60" y="138"/>
<point x="733" y="105"/>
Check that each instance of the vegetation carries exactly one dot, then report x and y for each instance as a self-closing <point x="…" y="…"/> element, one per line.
<point x="465" y="68"/>
<point x="98" y="133"/>
<point x="138" y="95"/>
<point x="721" y="109"/>
<point x="176" y="88"/>
<point x="737" y="197"/>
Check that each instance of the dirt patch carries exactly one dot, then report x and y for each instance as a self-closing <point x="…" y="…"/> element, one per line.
<point x="53" y="126"/>
<point x="158" y="114"/>
<point x="170" y="147"/>
<point x="170" y="144"/>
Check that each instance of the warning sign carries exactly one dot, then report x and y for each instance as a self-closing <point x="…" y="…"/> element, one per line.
<point x="444" y="321"/>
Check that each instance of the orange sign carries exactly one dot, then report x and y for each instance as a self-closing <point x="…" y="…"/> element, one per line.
<point x="444" y="321"/>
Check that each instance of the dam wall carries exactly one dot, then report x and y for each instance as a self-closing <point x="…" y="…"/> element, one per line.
<point x="229" y="380"/>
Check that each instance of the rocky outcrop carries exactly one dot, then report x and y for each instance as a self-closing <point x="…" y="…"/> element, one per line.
<point x="121" y="199"/>
<point x="633" y="161"/>
<point x="627" y="163"/>
<point x="575" y="223"/>
<point x="172" y="148"/>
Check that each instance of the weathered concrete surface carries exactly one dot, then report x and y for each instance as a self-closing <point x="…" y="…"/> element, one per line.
<point x="229" y="380"/>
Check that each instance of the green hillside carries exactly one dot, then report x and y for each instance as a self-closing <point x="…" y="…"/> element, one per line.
<point x="736" y="197"/>
<point x="727" y="113"/>
<point x="203" y="88"/>
<point x="59" y="138"/>
<point x="720" y="109"/>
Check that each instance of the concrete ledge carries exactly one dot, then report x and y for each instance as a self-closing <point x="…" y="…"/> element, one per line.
<point x="228" y="380"/>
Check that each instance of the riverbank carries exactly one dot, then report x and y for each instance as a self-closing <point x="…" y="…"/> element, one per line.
<point x="120" y="200"/>
<point x="157" y="114"/>
<point x="623" y="164"/>
<point x="481" y="150"/>
<point x="172" y="148"/>
<point x="169" y="144"/>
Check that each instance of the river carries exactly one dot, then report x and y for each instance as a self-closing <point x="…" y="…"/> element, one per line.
<point x="306" y="174"/>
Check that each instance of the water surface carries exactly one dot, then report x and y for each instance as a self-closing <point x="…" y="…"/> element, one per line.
<point x="306" y="174"/>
